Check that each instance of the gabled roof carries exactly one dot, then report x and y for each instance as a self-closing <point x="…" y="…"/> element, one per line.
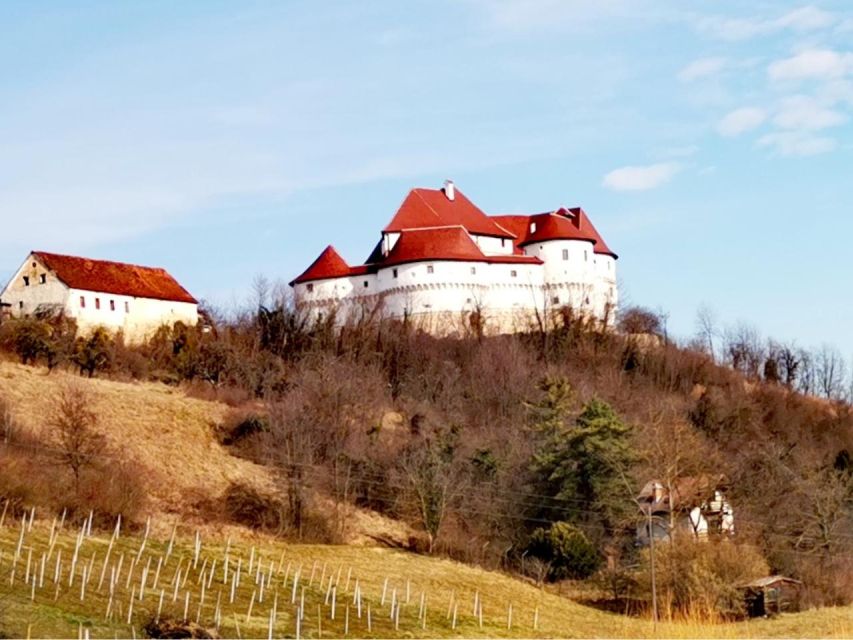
<point x="424" y="208"/>
<point x="329" y="264"/>
<point x="114" y="277"/>
<point x="687" y="491"/>
<point x="444" y="243"/>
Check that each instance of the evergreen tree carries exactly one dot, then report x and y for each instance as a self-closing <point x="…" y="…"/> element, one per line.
<point x="583" y="465"/>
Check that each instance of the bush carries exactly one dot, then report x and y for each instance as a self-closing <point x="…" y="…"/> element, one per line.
<point x="564" y="551"/>
<point x="245" y="505"/>
<point x="699" y="578"/>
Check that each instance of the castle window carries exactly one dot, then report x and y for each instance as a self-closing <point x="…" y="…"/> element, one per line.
<point x="310" y="287"/>
<point x="82" y="302"/>
<point x="26" y="281"/>
<point x="43" y="278"/>
<point x="365" y="284"/>
<point x="430" y="269"/>
<point x="565" y="254"/>
<point x="555" y="300"/>
<point x="112" y="305"/>
<point x="473" y="271"/>
<point x="97" y="303"/>
<point x="586" y="255"/>
<point x="513" y="273"/>
<point x="608" y="266"/>
<point x="394" y="273"/>
<point x="127" y="307"/>
<point x="21" y="304"/>
<point x="503" y="242"/>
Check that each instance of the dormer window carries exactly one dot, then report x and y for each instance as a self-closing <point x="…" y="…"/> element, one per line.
<point x="26" y="281"/>
<point x="532" y="227"/>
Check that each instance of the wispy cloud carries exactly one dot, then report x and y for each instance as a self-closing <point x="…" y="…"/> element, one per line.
<point x="701" y="68"/>
<point x="740" y="121"/>
<point x="812" y="63"/>
<point x="803" y="19"/>
<point x="805" y="113"/>
<point x="640" y="177"/>
<point x="797" y="143"/>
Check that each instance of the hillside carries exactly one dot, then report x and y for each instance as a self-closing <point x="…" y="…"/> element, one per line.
<point x="45" y="608"/>
<point x="171" y="435"/>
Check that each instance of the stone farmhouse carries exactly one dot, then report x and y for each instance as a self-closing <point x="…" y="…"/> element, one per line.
<point x="98" y="293"/>
<point x="442" y="262"/>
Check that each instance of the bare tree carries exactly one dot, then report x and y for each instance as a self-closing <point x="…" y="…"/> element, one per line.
<point x="831" y="372"/>
<point x="74" y="425"/>
<point x="745" y="350"/>
<point x="706" y="329"/>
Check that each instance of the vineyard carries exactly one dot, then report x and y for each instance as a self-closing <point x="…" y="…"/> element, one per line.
<point x="59" y="580"/>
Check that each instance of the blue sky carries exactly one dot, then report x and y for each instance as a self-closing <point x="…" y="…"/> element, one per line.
<point x="710" y="142"/>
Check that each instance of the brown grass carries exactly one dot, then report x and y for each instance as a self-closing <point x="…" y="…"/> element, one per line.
<point x="172" y="434"/>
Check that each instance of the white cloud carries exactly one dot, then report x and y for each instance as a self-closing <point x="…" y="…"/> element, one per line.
<point x="640" y="177"/>
<point x="797" y="143"/>
<point x="701" y="68"/>
<point x="812" y="63"/>
<point x="806" y="113"/>
<point x="808" y="18"/>
<point x="740" y="121"/>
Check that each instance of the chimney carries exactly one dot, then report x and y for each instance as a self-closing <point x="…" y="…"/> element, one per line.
<point x="450" y="190"/>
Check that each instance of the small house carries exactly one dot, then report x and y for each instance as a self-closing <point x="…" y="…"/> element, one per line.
<point x="695" y="505"/>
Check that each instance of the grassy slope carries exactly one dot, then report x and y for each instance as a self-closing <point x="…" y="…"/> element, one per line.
<point x="441" y="580"/>
<point x="152" y="423"/>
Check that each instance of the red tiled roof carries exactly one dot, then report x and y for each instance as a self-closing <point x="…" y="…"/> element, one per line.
<point x="444" y="243"/>
<point x="562" y="224"/>
<point x="329" y="264"/>
<point x="424" y="208"/>
<point x="115" y="277"/>
<point x="587" y="226"/>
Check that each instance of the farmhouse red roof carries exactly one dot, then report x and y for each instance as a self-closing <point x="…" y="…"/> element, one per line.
<point x="424" y="208"/>
<point x="118" y="278"/>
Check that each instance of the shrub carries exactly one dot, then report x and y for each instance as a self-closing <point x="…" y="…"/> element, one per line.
<point x="245" y="505"/>
<point x="700" y="578"/>
<point x="564" y="551"/>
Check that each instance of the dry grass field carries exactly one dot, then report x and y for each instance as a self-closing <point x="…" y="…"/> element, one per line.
<point x="171" y="435"/>
<point x="64" y="583"/>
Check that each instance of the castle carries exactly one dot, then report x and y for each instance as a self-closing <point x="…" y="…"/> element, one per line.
<point x="445" y="264"/>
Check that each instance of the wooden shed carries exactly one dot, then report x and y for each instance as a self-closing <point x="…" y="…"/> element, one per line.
<point x="770" y="595"/>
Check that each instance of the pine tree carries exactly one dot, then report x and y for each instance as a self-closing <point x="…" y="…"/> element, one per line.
<point x="583" y="465"/>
